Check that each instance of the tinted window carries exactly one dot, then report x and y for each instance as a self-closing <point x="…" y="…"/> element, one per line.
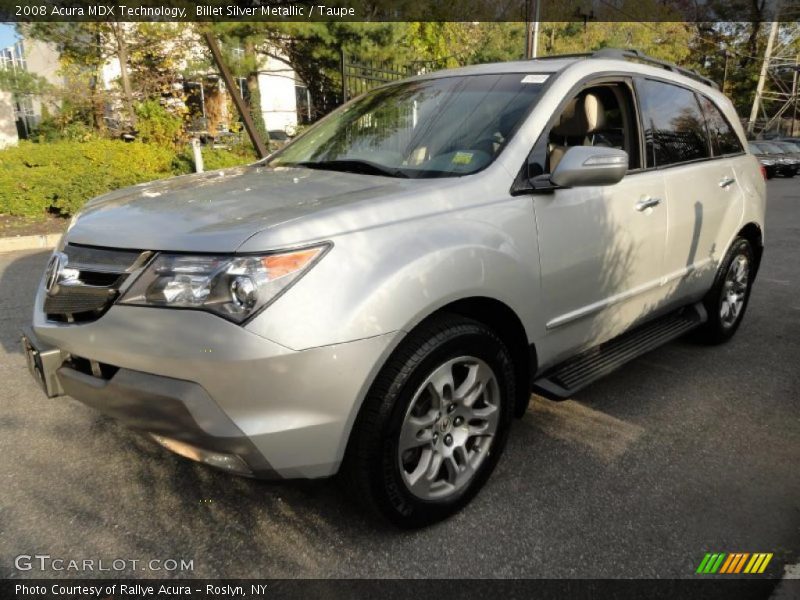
<point x="674" y="127"/>
<point x="723" y="138"/>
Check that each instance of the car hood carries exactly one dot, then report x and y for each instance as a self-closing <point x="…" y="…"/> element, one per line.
<point x="220" y="210"/>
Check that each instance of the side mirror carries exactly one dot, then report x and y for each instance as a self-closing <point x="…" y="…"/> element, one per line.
<point x="590" y="165"/>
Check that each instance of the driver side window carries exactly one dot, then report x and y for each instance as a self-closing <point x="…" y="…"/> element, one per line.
<point x="600" y="115"/>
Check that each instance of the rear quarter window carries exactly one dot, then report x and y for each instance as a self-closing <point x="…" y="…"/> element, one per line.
<point x="722" y="136"/>
<point x="674" y="126"/>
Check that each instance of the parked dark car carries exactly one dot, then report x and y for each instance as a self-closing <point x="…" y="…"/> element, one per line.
<point x="768" y="163"/>
<point x="790" y="147"/>
<point x="782" y="164"/>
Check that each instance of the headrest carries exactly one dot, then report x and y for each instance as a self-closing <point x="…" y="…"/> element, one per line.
<point x="582" y="116"/>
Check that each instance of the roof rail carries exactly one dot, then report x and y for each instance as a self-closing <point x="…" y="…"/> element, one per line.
<point x="562" y="56"/>
<point x="636" y="55"/>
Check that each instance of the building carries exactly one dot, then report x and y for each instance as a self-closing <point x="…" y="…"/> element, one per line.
<point x="205" y="95"/>
<point x="206" y="98"/>
<point x="20" y="114"/>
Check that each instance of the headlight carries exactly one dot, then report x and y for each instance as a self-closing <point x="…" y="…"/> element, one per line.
<point x="234" y="287"/>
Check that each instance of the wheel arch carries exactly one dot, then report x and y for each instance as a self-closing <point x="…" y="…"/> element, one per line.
<point x="752" y="233"/>
<point x="507" y="324"/>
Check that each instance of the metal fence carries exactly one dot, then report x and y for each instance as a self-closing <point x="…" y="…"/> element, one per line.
<point x="361" y="76"/>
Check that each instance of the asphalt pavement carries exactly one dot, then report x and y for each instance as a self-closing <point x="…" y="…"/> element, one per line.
<point x="684" y="451"/>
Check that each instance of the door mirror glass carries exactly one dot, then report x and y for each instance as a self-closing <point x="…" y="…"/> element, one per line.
<point x="590" y="165"/>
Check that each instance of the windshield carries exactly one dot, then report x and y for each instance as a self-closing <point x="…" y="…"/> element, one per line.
<point x="771" y="148"/>
<point x="785" y="146"/>
<point x="430" y="128"/>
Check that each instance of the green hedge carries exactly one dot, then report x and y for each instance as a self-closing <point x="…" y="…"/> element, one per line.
<point x="59" y="177"/>
<point x="213" y="159"/>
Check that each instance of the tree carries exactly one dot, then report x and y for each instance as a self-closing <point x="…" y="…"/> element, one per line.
<point x="668" y="40"/>
<point x="148" y="56"/>
<point x="312" y="50"/>
<point x="23" y="83"/>
<point x="91" y="46"/>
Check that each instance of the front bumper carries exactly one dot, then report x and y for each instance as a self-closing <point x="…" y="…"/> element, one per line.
<point x="212" y="390"/>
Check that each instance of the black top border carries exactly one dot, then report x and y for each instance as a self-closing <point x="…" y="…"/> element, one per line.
<point x="581" y="11"/>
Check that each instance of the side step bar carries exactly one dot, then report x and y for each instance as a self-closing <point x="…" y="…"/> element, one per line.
<point x="566" y="378"/>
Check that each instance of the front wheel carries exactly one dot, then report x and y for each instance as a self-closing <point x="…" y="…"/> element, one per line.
<point x="434" y="422"/>
<point x="727" y="300"/>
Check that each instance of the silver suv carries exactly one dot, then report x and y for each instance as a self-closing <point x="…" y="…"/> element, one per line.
<point x="380" y="297"/>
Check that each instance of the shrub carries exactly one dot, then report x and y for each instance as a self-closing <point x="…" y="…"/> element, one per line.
<point x="60" y="177"/>
<point x="156" y="125"/>
<point x="66" y="124"/>
<point x="218" y="158"/>
<point x="213" y="158"/>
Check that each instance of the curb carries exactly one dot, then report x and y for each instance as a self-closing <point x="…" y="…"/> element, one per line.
<point x="29" y="242"/>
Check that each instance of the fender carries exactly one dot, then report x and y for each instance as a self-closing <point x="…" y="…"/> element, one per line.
<point x="390" y="278"/>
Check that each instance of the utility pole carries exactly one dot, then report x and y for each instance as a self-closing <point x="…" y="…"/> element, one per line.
<point x="725" y="74"/>
<point x="532" y="29"/>
<point x="233" y="90"/>
<point x="773" y="32"/>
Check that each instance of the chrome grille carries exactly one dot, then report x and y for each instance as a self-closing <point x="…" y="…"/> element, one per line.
<point x="95" y="277"/>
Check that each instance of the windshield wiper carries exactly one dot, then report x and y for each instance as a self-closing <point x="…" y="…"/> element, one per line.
<point x="348" y="165"/>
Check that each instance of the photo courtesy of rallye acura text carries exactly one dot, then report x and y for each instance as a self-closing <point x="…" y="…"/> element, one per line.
<point x="379" y="298"/>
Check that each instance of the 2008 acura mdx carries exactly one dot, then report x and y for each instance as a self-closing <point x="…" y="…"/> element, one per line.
<point x="380" y="296"/>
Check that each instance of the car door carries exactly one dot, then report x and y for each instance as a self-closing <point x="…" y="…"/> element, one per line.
<point x="602" y="247"/>
<point x="703" y="197"/>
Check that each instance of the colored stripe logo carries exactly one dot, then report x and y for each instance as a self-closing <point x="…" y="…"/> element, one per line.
<point x="733" y="563"/>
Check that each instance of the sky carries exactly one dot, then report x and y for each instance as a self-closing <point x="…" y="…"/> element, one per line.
<point x="7" y="35"/>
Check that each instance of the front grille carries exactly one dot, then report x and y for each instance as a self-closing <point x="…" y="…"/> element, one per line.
<point x="101" y="274"/>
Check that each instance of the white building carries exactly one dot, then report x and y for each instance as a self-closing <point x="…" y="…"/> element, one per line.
<point x="277" y="82"/>
<point x="8" y="125"/>
<point x="19" y="115"/>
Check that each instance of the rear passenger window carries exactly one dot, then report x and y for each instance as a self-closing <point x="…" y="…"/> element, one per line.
<point x="723" y="138"/>
<point x="674" y="127"/>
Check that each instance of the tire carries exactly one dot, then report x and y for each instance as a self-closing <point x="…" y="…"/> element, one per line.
<point x="722" y="323"/>
<point x="409" y="404"/>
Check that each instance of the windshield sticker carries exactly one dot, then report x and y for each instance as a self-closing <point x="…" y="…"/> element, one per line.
<point x="535" y="78"/>
<point x="462" y="158"/>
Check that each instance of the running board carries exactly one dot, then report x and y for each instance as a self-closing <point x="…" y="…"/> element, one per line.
<point x="563" y="380"/>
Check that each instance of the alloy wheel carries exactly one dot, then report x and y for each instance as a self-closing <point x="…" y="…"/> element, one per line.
<point x="734" y="290"/>
<point x="449" y="428"/>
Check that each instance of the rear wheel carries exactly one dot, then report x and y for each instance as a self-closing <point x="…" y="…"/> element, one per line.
<point x="434" y="423"/>
<point x="727" y="300"/>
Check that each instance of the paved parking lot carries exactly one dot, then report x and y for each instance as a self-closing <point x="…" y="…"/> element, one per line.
<point x="684" y="451"/>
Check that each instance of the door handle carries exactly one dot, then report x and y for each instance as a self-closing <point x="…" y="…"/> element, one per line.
<point x="646" y="203"/>
<point x="726" y="181"/>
